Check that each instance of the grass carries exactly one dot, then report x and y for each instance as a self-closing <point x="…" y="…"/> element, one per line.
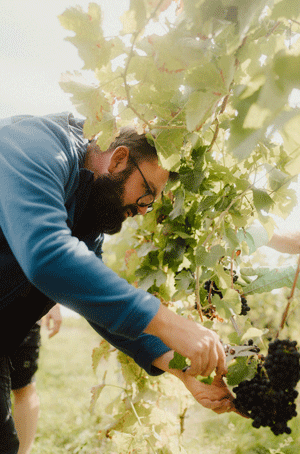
<point x="64" y="380"/>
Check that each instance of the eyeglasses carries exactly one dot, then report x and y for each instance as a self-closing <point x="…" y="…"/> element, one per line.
<point x="147" y="199"/>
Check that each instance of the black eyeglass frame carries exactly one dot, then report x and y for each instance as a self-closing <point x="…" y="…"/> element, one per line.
<point x="147" y="193"/>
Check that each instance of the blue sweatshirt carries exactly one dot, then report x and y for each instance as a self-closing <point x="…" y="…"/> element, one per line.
<point x="40" y="163"/>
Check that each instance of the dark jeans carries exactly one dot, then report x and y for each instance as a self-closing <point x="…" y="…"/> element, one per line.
<point x="9" y="443"/>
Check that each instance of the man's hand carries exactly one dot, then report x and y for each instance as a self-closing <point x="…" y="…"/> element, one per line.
<point x="201" y="345"/>
<point x="216" y="397"/>
<point x="53" y="320"/>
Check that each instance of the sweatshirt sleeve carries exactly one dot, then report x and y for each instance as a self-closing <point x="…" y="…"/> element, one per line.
<point x="36" y="164"/>
<point x="144" y="350"/>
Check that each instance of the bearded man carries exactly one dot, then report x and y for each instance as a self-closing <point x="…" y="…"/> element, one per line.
<point x="59" y="195"/>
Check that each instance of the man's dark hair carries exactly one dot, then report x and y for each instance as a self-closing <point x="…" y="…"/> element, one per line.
<point x="139" y="147"/>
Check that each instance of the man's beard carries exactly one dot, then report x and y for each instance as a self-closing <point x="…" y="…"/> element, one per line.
<point x="104" y="211"/>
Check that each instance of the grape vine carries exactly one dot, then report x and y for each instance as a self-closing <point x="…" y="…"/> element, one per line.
<point x="210" y="90"/>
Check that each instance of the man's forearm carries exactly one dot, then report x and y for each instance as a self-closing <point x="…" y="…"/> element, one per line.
<point x="288" y="242"/>
<point x="162" y="323"/>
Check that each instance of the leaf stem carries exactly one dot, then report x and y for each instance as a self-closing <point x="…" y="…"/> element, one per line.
<point x="182" y="419"/>
<point x="214" y="136"/>
<point x="235" y="325"/>
<point x="273" y="29"/>
<point x="295" y="21"/>
<point x="289" y="300"/>
<point x="141" y="424"/>
<point x="197" y="293"/>
<point x="231" y="268"/>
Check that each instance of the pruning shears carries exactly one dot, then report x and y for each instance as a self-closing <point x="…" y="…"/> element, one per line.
<point x="235" y="351"/>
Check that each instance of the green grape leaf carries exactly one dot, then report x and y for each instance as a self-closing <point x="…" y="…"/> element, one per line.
<point x="122" y="441"/>
<point x="149" y="277"/>
<point x="286" y="9"/>
<point x="261" y="199"/>
<point x="200" y="106"/>
<point x="231" y="238"/>
<point x="209" y="258"/>
<point x="178" y="362"/>
<point x="255" y="236"/>
<point x="276" y="177"/>
<point x="174" y="251"/>
<point x="130" y="370"/>
<point x="178" y="209"/>
<point x="269" y="279"/>
<point x="184" y="280"/>
<point x="286" y="68"/>
<point x="223" y="307"/>
<point x="229" y="305"/>
<point x="191" y="178"/>
<point x="242" y="369"/>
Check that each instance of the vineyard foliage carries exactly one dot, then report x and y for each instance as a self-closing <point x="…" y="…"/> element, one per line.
<point x="213" y="84"/>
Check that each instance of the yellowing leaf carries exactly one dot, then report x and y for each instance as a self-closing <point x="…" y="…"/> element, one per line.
<point x="232" y="297"/>
<point x="89" y="40"/>
<point x="254" y="333"/>
<point x="200" y="106"/>
<point x="88" y="99"/>
<point x="96" y="391"/>
<point x="107" y="131"/>
<point x="100" y="352"/>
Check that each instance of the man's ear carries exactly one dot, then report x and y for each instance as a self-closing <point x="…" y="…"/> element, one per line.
<point x="119" y="159"/>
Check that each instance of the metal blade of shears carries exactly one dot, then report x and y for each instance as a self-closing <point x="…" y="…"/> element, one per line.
<point x="234" y="351"/>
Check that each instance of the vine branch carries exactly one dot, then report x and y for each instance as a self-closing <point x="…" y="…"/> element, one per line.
<point x="289" y="300"/>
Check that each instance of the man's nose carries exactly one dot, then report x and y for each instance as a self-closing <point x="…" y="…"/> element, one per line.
<point x="142" y="210"/>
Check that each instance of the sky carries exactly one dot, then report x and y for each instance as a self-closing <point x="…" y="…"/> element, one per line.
<point x="33" y="53"/>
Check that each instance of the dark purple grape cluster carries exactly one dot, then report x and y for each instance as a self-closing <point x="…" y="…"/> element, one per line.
<point x="269" y="398"/>
<point x="245" y="308"/>
<point x="282" y="364"/>
<point x="212" y="289"/>
<point x="234" y="277"/>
